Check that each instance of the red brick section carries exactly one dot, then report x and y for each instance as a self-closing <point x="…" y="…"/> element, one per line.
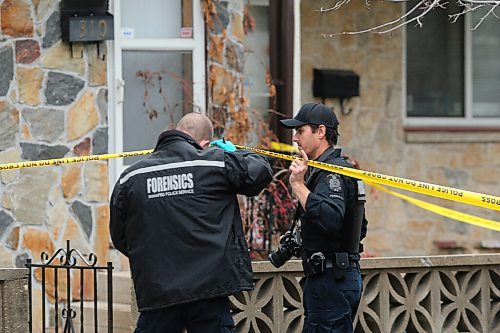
<point x="83" y="148"/>
<point x="27" y="51"/>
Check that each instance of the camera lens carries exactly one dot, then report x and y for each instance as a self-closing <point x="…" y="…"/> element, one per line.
<point x="279" y="257"/>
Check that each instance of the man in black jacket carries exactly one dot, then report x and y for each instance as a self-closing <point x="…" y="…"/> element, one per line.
<point x="331" y="212"/>
<point x="175" y="215"/>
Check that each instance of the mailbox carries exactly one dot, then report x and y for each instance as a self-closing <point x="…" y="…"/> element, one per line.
<point x="335" y="83"/>
<point x="86" y="21"/>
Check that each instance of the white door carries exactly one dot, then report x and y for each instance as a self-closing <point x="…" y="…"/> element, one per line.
<point x="158" y="72"/>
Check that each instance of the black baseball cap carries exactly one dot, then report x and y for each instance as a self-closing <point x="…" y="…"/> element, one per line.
<point x="312" y="113"/>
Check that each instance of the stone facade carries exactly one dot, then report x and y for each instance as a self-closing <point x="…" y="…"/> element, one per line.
<point x="225" y="32"/>
<point x="52" y="104"/>
<point x="374" y="135"/>
<point x="14" y="312"/>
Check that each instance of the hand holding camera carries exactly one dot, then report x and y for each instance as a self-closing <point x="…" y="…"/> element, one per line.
<point x="287" y="248"/>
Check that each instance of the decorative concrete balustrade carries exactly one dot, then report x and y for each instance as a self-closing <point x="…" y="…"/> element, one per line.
<point x="14" y="300"/>
<point x="432" y="294"/>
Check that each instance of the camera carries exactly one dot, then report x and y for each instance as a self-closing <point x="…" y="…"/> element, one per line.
<point x="287" y="248"/>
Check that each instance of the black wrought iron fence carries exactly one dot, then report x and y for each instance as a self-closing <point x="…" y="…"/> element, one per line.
<point x="68" y="263"/>
<point x="267" y="216"/>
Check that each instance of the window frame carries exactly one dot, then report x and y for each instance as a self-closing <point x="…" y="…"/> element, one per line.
<point x="285" y="66"/>
<point x="466" y="123"/>
<point x="195" y="45"/>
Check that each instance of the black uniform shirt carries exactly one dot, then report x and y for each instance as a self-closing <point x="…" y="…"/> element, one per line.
<point x="331" y="200"/>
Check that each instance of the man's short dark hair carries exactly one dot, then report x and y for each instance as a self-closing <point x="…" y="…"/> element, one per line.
<point x="332" y="134"/>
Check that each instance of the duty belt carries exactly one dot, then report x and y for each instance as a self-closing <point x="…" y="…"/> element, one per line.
<point x="317" y="263"/>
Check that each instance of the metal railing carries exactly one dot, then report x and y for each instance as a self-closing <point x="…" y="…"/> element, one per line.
<point x="268" y="215"/>
<point x="70" y="263"/>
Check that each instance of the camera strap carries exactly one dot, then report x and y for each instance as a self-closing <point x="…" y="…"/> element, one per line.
<point x="295" y="227"/>
<point x="295" y="219"/>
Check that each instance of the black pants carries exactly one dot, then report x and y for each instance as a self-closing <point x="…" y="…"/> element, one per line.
<point x="206" y="316"/>
<point x="331" y="302"/>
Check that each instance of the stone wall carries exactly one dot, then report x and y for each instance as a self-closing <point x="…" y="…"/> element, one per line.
<point x="14" y="309"/>
<point x="53" y="104"/>
<point x="225" y="38"/>
<point x="373" y="134"/>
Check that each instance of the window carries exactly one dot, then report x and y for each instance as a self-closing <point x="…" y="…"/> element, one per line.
<point x="453" y="71"/>
<point x="158" y="73"/>
<point x="485" y="44"/>
<point x="270" y="47"/>
<point x="257" y="64"/>
<point x="155" y="95"/>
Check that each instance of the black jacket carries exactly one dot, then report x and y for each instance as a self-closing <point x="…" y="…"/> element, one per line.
<point x="327" y="223"/>
<point x="175" y="215"/>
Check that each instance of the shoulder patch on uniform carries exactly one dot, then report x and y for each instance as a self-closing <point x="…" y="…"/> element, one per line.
<point x="334" y="182"/>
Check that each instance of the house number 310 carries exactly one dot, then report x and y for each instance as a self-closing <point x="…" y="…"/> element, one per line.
<point x="93" y="28"/>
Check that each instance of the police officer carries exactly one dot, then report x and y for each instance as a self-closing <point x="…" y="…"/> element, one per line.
<point x="331" y="213"/>
<point x="175" y="215"/>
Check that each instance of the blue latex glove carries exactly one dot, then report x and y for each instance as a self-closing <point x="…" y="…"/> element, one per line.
<point x="224" y="144"/>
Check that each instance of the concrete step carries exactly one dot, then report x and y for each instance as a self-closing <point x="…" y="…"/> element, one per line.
<point x="122" y="283"/>
<point x="121" y="317"/>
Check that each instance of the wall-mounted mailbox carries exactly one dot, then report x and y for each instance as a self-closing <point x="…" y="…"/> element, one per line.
<point x="335" y="83"/>
<point x="86" y="21"/>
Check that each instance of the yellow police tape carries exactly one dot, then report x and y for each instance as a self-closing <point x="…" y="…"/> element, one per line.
<point x="467" y="197"/>
<point x="452" y="214"/>
<point x="65" y="160"/>
<point x="279" y="146"/>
